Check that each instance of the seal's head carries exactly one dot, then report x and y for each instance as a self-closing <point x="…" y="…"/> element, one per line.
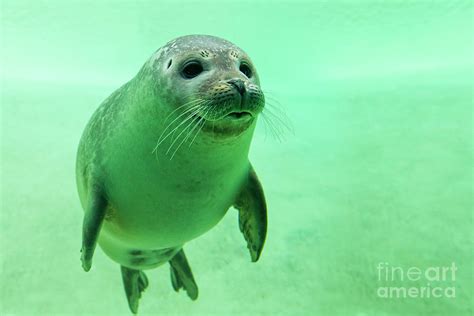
<point x="210" y="81"/>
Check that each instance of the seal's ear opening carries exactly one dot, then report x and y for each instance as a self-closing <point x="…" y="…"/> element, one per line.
<point x="169" y="64"/>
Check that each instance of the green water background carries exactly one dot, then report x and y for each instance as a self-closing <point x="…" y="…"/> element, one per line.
<point x="379" y="168"/>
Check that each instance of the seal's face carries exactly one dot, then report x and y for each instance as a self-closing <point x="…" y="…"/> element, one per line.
<point x="209" y="81"/>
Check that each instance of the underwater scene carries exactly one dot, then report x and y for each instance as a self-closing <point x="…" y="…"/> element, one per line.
<point x="356" y="117"/>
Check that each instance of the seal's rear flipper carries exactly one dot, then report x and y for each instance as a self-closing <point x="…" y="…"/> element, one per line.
<point x="182" y="276"/>
<point x="93" y="218"/>
<point x="134" y="282"/>
<point x="252" y="214"/>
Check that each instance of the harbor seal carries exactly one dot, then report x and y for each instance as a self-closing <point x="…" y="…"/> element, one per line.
<point x="166" y="155"/>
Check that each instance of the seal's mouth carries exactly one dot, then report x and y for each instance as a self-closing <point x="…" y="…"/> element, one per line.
<point x="235" y="116"/>
<point x="239" y="115"/>
<point x="230" y="124"/>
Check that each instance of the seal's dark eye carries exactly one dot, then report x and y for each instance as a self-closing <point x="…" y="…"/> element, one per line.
<point x="245" y="69"/>
<point x="192" y="69"/>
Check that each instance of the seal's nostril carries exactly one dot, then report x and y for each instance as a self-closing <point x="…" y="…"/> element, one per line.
<point x="238" y="84"/>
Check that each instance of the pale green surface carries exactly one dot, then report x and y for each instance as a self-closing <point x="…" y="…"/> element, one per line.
<point x="379" y="168"/>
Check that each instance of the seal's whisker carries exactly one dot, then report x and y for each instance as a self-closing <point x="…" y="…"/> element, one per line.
<point x="277" y="124"/>
<point x="275" y="104"/>
<point x="183" y="113"/>
<point x="184" y="138"/>
<point x="197" y="123"/>
<point x="268" y="127"/>
<point x="275" y="129"/>
<point x="280" y="116"/>
<point x="270" y="97"/>
<point x="190" y="116"/>
<point x="203" y="121"/>
<point x="192" y="102"/>
<point x="195" y="110"/>
<point x="277" y="109"/>
<point x="161" y="138"/>
<point x="268" y="94"/>
<point x="271" y="117"/>
<point x="265" y="126"/>
<point x="189" y="133"/>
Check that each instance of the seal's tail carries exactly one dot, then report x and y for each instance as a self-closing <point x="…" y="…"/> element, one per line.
<point x="182" y="276"/>
<point x="134" y="282"/>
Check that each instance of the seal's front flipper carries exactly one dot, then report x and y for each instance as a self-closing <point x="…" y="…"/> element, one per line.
<point x="252" y="214"/>
<point x="93" y="218"/>
<point x="134" y="282"/>
<point x="182" y="276"/>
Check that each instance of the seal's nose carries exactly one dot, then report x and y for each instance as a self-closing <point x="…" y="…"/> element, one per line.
<point x="238" y="84"/>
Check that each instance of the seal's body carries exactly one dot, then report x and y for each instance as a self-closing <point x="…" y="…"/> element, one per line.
<point x="166" y="155"/>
